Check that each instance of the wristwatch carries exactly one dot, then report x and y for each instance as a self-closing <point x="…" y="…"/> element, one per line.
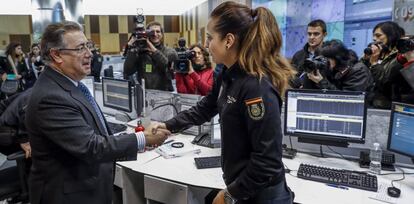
<point x="228" y="199"/>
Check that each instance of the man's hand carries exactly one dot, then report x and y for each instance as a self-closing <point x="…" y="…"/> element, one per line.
<point x="27" y="149"/>
<point x="219" y="199"/>
<point x="315" y="77"/>
<point x="155" y="136"/>
<point x="150" y="46"/>
<point x="155" y="126"/>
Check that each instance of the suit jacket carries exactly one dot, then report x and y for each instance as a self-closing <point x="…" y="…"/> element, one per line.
<point x="73" y="157"/>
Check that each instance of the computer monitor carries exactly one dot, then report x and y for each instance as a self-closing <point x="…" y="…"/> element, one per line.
<point x="116" y="94"/>
<point x="326" y="117"/>
<point x="401" y="138"/>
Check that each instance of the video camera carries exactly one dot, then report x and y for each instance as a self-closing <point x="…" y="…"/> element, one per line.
<point x="140" y="33"/>
<point x="181" y="65"/>
<point x="368" y="50"/>
<point x="316" y="63"/>
<point x="405" y="45"/>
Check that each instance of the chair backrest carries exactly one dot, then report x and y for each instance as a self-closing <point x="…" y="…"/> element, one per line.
<point x="13" y="179"/>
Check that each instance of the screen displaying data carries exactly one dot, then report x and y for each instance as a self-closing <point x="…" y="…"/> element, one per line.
<point x="117" y="94"/>
<point x="401" y="137"/>
<point x="325" y="114"/>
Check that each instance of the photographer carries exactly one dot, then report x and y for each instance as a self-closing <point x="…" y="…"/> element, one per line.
<point x="405" y="47"/>
<point x="340" y="68"/>
<point x="390" y="85"/>
<point x="316" y="33"/>
<point x="199" y="78"/>
<point x="152" y="61"/>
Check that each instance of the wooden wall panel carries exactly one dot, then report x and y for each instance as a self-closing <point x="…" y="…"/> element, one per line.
<point x="103" y="24"/>
<point x="113" y="24"/>
<point x="94" y="24"/>
<point x="123" y="24"/>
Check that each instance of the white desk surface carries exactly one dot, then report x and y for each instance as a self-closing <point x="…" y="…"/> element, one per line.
<point x="183" y="170"/>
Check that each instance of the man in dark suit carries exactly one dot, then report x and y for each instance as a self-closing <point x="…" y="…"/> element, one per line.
<point x="73" y="151"/>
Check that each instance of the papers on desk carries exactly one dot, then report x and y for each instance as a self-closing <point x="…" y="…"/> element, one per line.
<point x="168" y="151"/>
<point x="382" y="194"/>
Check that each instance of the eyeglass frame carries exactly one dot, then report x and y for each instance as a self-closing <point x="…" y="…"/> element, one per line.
<point x="81" y="50"/>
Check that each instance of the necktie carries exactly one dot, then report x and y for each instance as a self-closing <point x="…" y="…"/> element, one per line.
<point x="92" y="101"/>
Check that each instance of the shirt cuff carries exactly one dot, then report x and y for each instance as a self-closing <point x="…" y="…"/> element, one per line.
<point x="140" y="141"/>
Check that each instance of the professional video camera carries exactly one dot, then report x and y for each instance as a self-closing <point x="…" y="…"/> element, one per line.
<point x="368" y="50"/>
<point x="181" y="65"/>
<point x="140" y="33"/>
<point x="316" y="63"/>
<point x="405" y="45"/>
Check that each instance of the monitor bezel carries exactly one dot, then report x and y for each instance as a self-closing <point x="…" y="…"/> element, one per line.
<point x="129" y="109"/>
<point x="327" y="138"/>
<point x="391" y="125"/>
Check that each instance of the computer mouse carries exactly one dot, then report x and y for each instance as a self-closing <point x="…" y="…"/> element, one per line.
<point x="394" y="192"/>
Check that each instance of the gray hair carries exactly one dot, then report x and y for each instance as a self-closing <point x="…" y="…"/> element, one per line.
<point x="53" y="37"/>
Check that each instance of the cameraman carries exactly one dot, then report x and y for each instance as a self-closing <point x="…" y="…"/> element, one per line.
<point x="342" y="71"/>
<point x="152" y="63"/>
<point x="199" y="79"/>
<point x="390" y="85"/>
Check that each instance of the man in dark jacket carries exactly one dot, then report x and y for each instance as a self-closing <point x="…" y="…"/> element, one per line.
<point x="12" y="115"/>
<point x="153" y="64"/>
<point x="316" y="33"/>
<point x="96" y="63"/>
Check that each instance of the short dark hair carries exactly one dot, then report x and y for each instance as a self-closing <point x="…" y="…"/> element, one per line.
<point x="392" y="30"/>
<point x="53" y="37"/>
<point x="155" y="23"/>
<point x="318" y="23"/>
<point x="335" y="49"/>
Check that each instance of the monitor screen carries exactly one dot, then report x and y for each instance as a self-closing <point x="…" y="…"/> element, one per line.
<point x="322" y="116"/>
<point x="116" y="93"/>
<point x="401" y="138"/>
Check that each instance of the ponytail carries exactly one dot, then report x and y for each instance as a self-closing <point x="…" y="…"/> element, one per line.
<point x="260" y="50"/>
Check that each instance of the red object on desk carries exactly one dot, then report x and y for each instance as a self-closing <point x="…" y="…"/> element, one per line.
<point x="139" y="127"/>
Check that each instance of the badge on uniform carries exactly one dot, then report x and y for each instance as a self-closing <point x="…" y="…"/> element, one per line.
<point x="255" y="107"/>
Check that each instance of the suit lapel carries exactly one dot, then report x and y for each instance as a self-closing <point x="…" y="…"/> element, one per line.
<point x="67" y="85"/>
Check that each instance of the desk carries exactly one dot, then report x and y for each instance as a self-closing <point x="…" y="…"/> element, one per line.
<point x="182" y="171"/>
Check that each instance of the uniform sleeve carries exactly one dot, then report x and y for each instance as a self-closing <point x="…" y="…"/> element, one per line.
<point x="262" y="117"/>
<point x="197" y="115"/>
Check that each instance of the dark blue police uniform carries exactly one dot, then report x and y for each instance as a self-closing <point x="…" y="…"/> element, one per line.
<point x="249" y="111"/>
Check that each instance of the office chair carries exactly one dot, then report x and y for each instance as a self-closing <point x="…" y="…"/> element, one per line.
<point x="13" y="180"/>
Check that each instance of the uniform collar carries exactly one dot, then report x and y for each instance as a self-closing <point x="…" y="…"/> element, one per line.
<point x="232" y="73"/>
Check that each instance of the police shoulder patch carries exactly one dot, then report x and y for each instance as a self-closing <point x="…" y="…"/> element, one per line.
<point x="255" y="108"/>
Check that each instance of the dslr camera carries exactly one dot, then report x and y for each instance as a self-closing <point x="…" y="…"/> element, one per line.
<point x="181" y="65"/>
<point x="368" y="51"/>
<point x="405" y="45"/>
<point x="316" y="63"/>
<point x="140" y="33"/>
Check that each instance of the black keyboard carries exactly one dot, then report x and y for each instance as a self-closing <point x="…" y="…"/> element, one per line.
<point x="353" y="179"/>
<point x="207" y="162"/>
<point x="115" y="127"/>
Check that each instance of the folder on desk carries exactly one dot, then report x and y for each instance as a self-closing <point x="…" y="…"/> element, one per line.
<point x="168" y="151"/>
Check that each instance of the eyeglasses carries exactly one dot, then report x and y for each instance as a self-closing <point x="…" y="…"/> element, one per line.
<point x="81" y="50"/>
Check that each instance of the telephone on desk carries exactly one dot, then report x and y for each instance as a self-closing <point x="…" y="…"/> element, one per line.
<point x="203" y="139"/>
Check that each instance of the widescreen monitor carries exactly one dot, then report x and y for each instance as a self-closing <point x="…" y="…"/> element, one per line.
<point x="325" y="117"/>
<point x="401" y="131"/>
<point x="116" y="94"/>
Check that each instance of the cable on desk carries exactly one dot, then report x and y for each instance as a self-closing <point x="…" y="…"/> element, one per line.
<point x="289" y="171"/>
<point x="403" y="173"/>
<point x="342" y="156"/>
<point x="166" y="104"/>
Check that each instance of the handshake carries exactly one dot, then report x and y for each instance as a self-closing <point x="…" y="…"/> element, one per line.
<point x="156" y="133"/>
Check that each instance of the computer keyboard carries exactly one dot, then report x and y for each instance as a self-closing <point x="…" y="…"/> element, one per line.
<point x="353" y="179"/>
<point x="208" y="162"/>
<point x="115" y="127"/>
